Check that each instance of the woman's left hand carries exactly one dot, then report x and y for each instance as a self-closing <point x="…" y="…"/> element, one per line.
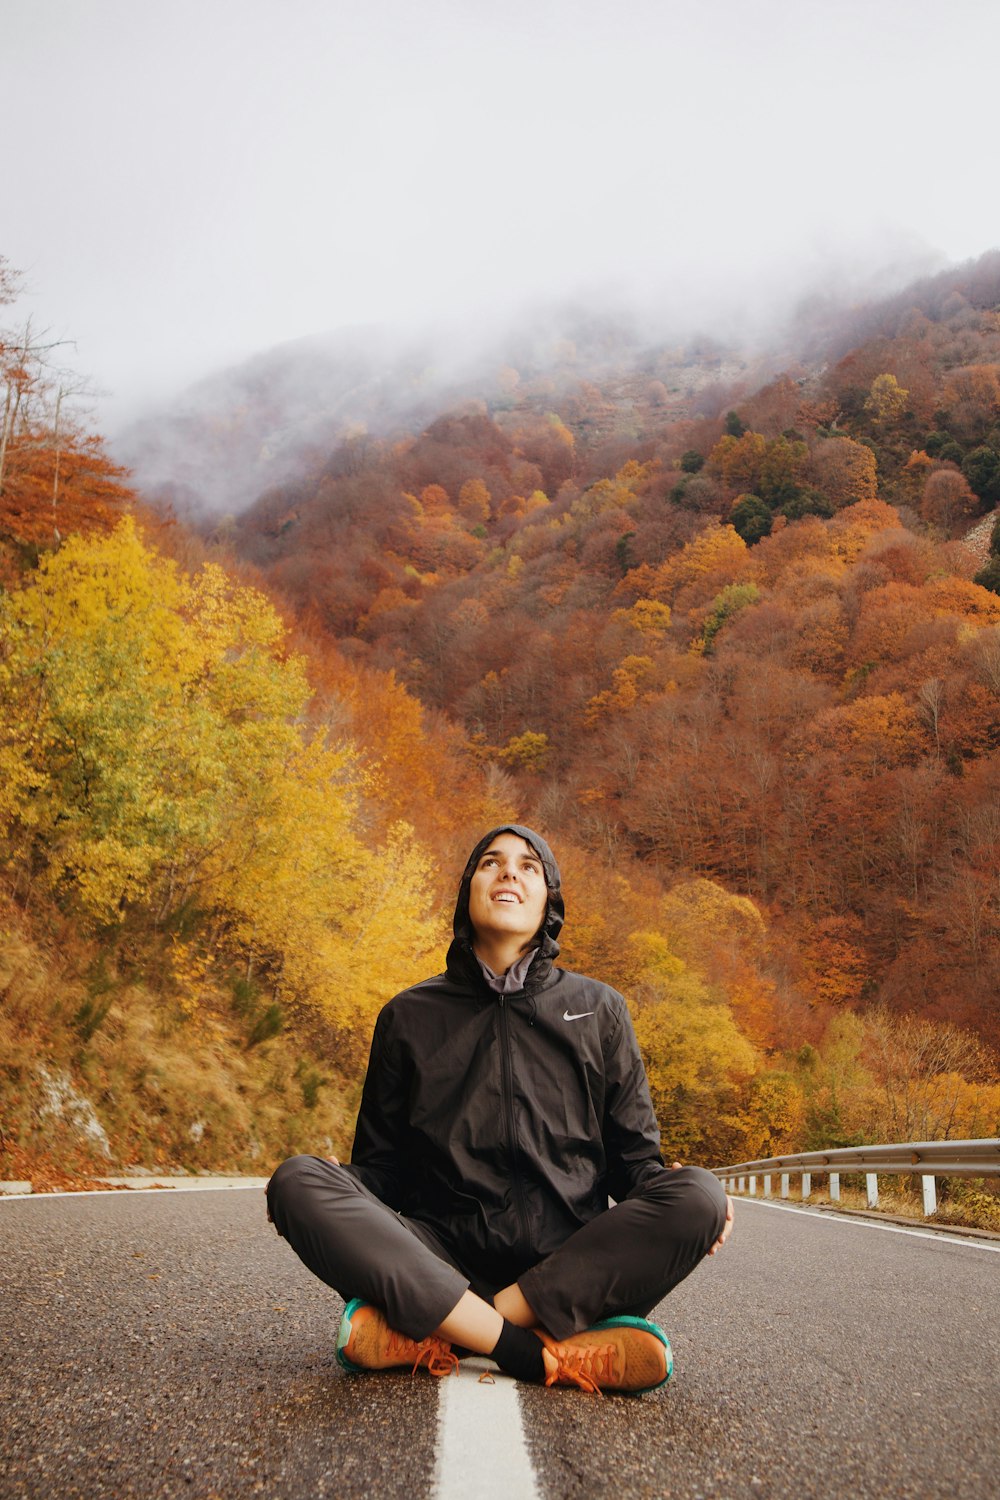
<point x="727" y="1228"/>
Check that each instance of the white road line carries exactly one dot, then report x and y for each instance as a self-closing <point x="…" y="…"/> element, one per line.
<point x="223" y="1187"/>
<point x="917" y="1234"/>
<point x="481" y="1449"/>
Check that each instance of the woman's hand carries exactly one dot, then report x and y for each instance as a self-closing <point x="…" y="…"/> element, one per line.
<point x="727" y="1228"/>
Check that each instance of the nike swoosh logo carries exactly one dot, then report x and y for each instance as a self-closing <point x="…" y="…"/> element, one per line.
<point x="568" y="1017"/>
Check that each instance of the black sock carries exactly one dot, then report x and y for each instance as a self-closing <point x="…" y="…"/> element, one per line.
<point x="518" y="1352"/>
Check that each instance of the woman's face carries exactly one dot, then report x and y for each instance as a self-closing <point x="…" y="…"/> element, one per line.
<point x="508" y="894"/>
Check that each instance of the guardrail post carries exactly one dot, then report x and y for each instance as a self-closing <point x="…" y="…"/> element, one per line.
<point x="930" y="1195"/>
<point x="834" y="1187"/>
<point x="784" y="1184"/>
<point x="807" y="1179"/>
<point x="871" y="1182"/>
<point x="743" y="1184"/>
<point x="753" y="1186"/>
<point x="767" y="1184"/>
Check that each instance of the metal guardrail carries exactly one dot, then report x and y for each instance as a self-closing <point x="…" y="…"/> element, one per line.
<point x="926" y="1159"/>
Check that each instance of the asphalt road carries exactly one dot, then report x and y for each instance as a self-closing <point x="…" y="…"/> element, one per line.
<point x="169" y="1344"/>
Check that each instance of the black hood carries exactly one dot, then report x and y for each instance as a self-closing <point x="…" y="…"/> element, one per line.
<point x="460" y="952"/>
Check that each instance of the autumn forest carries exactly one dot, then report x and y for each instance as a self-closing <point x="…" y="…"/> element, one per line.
<point x="725" y="628"/>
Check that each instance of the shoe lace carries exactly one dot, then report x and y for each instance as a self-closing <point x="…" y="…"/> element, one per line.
<point x="431" y="1352"/>
<point x="585" y="1365"/>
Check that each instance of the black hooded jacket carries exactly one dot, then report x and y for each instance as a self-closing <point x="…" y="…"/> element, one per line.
<point x="505" y="1121"/>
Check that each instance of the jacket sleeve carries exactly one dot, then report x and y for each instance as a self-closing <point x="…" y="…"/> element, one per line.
<point x="631" y="1133"/>
<point x="379" y="1133"/>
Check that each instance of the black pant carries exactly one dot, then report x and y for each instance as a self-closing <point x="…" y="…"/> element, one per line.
<point x="623" y="1262"/>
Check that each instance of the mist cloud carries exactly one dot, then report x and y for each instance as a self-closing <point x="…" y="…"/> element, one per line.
<point x="200" y="182"/>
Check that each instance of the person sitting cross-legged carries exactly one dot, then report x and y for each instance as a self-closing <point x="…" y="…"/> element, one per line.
<point x="505" y="1102"/>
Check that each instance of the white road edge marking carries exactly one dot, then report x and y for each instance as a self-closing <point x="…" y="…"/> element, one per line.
<point x="917" y="1234"/>
<point x="223" y="1187"/>
<point x="481" y="1449"/>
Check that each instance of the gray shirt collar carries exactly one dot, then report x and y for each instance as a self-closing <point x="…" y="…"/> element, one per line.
<point x="512" y="982"/>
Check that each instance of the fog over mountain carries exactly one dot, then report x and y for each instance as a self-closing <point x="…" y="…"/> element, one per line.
<point x="227" y="438"/>
<point x="206" y="182"/>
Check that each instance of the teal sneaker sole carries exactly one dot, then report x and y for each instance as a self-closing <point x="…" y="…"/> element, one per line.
<point x="344" y="1334"/>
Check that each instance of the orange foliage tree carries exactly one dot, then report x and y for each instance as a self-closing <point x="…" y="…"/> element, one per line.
<point x="55" y="478"/>
<point x="843" y="470"/>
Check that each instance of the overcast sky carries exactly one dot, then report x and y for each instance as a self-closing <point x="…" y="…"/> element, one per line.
<point x="188" y="181"/>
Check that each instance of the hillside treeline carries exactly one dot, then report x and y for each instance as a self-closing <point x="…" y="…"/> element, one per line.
<point x="753" y="647"/>
<point x="734" y="665"/>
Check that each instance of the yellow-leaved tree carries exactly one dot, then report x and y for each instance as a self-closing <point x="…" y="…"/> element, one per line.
<point x="696" y="1057"/>
<point x="156" y="758"/>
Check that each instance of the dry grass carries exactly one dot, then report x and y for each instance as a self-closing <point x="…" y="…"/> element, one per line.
<point x="99" y="1073"/>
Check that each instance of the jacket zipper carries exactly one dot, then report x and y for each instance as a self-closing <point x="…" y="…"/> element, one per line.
<point x="507" y="1085"/>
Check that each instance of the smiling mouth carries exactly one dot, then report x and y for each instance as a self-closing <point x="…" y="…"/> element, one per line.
<point x="507" y="898"/>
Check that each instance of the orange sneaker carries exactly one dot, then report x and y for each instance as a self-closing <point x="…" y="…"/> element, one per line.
<point x="619" y="1354"/>
<point x="366" y="1342"/>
